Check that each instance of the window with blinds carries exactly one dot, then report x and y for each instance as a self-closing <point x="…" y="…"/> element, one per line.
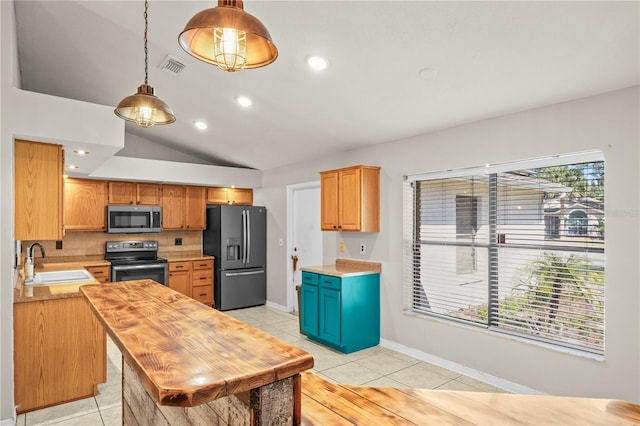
<point x="517" y="248"/>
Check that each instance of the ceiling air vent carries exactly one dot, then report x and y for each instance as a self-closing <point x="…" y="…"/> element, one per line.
<point x="172" y="65"/>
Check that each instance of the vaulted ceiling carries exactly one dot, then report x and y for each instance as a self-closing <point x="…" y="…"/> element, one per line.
<point x="396" y="68"/>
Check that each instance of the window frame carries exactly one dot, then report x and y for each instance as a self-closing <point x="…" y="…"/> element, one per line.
<point x="412" y="257"/>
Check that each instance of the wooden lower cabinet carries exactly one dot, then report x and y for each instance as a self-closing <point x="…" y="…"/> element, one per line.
<point x="180" y="277"/>
<point x="100" y="273"/>
<point x="202" y="281"/>
<point x="59" y="352"/>
<point x="193" y="279"/>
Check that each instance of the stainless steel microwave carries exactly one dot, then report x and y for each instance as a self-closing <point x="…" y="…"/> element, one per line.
<point x="133" y="219"/>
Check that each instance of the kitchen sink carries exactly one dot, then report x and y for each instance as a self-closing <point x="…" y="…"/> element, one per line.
<point x="60" y="277"/>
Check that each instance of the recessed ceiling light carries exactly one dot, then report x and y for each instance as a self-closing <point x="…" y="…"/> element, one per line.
<point x="200" y="125"/>
<point x="81" y="152"/>
<point x="72" y="166"/>
<point x="317" y="63"/>
<point x="244" y="101"/>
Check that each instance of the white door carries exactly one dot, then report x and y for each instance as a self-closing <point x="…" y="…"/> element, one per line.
<point x="305" y="237"/>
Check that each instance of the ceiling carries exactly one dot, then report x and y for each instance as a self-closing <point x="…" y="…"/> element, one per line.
<point x="483" y="59"/>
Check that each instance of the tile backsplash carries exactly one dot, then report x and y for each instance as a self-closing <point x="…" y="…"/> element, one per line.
<point x="77" y="243"/>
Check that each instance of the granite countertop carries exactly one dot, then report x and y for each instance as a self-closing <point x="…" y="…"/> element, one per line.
<point x="179" y="257"/>
<point x="346" y="268"/>
<point x="23" y="293"/>
<point x="184" y="352"/>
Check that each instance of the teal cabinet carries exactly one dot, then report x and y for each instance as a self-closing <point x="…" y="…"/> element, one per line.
<point x="341" y="312"/>
<point x="309" y="297"/>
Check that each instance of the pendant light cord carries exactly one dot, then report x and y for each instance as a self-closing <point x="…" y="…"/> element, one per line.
<point x="146" y="50"/>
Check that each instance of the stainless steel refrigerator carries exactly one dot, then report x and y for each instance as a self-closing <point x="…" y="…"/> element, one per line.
<point x="236" y="237"/>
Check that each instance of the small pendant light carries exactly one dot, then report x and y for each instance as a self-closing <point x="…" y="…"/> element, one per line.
<point x="228" y="37"/>
<point x="144" y="108"/>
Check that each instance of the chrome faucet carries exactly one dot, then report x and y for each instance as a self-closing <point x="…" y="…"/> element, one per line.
<point x="30" y="251"/>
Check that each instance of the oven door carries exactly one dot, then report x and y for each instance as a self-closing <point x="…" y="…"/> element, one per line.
<point x="151" y="271"/>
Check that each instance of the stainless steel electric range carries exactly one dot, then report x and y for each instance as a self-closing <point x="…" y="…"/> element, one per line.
<point x="135" y="260"/>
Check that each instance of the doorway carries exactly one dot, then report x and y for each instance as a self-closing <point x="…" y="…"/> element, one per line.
<point x="304" y="238"/>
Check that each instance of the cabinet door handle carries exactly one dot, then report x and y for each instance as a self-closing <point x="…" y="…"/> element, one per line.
<point x="203" y="294"/>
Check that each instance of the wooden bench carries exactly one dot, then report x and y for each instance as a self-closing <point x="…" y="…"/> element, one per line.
<point x="325" y="403"/>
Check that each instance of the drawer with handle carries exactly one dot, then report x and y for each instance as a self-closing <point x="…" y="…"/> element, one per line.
<point x="203" y="264"/>
<point x="202" y="276"/>
<point x="203" y="294"/>
<point x="179" y="266"/>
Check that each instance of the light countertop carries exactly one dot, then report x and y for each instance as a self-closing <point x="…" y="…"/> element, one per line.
<point x="34" y="293"/>
<point x="346" y="268"/>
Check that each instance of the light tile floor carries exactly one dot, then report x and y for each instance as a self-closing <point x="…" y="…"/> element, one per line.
<point x="376" y="366"/>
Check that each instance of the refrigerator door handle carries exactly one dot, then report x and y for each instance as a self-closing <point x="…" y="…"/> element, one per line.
<point x="236" y="274"/>
<point x="244" y="238"/>
<point x="248" y="237"/>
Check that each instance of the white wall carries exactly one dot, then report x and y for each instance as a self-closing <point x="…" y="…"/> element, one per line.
<point x="8" y="65"/>
<point x="609" y="122"/>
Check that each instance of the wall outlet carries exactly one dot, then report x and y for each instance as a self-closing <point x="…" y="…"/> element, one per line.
<point x="341" y="247"/>
<point x="362" y="248"/>
<point x="58" y="245"/>
<point x="178" y="241"/>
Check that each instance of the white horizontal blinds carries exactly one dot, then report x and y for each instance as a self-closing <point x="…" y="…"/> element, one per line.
<point x="520" y="250"/>
<point x="450" y="254"/>
<point x="550" y="257"/>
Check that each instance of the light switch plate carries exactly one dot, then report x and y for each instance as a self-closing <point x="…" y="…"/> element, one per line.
<point x="341" y="247"/>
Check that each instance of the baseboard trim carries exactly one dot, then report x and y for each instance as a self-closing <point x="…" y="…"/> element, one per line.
<point x="458" y="368"/>
<point x="277" y="306"/>
<point x="12" y="421"/>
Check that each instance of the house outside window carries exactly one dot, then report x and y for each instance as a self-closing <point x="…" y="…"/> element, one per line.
<point x="517" y="249"/>
<point x="577" y="223"/>
<point x="552" y="226"/>
<point x="466" y="229"/>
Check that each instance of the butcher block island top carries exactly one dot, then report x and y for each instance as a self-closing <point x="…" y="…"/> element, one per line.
<point x="185" y="353"/>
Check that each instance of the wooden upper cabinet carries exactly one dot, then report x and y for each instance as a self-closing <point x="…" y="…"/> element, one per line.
<point x="329" y="201"/>
<point x="221" y="195"/>
<point x="134" y="193"/>
<point x="183" y="207"/>
<point x="84" y="204"/>
<point x="173" y="204"/>
<point x="195" y="207"/>
<point x="350" y="199"/>
<point x="243" y="196"/>
<point x="38" y="191"/>
<point x="148" y="194"/>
